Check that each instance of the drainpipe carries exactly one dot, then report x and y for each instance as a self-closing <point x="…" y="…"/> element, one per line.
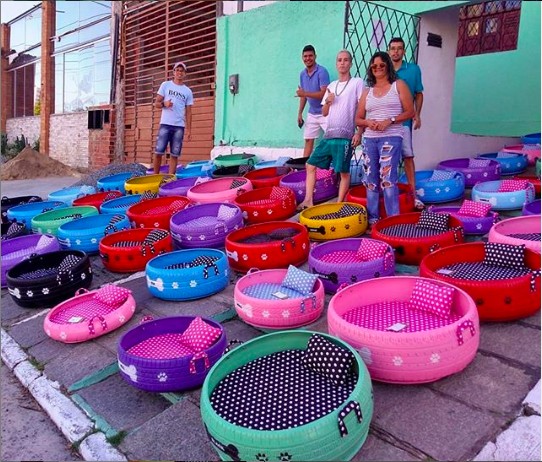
<point x="47" y="93"/>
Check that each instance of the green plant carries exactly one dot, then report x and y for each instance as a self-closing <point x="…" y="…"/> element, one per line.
<point x="4" y="144"/>
<point x="117" y="438"/>
<point x="10" y="150"/>
<point x="36" y="145"/>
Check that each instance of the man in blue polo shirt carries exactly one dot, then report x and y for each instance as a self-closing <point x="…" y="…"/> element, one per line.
<point x="313" y="82"/>
<point x="412" y="75"/>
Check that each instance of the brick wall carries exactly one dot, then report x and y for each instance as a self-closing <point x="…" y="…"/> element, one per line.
<point x="101" y="142"/>
<point x="69" y="139"/>
<point x="27" y="126"/>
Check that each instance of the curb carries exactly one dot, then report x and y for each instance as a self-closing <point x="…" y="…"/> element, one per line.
<point x="70" y="419"/>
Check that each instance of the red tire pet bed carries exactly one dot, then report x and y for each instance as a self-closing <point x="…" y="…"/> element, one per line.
<point x="502" y="279"/>
<point x="267" y="204"/>
<point x="414" y="235"/>
<point x="358" y="195"/>
<point x="170" y="354"/>
<point x="220" y="190"/>
<point x="90" y="314"/>
<point x="334" y="221"/>
<point x="156" y="213"/>
<point x="519" y="230"/>
<point x="408" y="330"/>
<point x="326" y="186"/>
<point x="96" y="200"/>
<point x="268" y="176"/>
<point x="279" y="298"/>
<point x="347" y="261"/>
<point x="129" y="251"/>
<point x="276" y="244"/>
<point x="205" y="225"/>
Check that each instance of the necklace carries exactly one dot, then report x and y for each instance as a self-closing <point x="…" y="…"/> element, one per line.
<point x="344" y="88"/>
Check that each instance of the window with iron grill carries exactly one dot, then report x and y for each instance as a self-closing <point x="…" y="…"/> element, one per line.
<point x="488" y="27"/>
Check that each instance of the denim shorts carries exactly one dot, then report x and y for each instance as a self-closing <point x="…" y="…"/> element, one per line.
<point x="169" y="134"/>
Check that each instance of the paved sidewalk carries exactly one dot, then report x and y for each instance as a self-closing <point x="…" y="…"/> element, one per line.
<point x="480" y="409"/>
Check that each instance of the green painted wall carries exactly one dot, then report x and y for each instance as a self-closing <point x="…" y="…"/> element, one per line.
<point x="498" y="94"/>
<point x="264" y="47"/>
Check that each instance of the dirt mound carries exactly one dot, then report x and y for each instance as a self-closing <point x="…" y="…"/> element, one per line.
<point x="30" y="164"/>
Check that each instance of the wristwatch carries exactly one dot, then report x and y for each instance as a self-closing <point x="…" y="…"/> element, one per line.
<point x="392" y="120"/>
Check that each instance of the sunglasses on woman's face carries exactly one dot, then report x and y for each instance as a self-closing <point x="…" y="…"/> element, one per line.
<point x="375" y="66"/>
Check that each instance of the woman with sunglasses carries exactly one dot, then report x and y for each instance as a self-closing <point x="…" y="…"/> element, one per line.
<point x="384" y="105"/>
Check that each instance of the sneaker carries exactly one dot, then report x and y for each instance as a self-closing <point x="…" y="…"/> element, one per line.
<point x="418" y="204"/>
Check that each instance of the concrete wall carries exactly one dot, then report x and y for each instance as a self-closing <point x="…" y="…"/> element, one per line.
<point x="27" y="126"/>
<point x="69" y="139"/>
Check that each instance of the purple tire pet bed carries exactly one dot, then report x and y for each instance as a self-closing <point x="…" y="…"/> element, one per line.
<point x="475" y="170"/>
<point x="325" y="188"/>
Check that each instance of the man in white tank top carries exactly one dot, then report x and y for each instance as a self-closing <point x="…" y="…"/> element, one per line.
<point x="340" y="138"/>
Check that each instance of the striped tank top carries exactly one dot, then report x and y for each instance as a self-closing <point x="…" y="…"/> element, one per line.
<point x="383" y="108"/>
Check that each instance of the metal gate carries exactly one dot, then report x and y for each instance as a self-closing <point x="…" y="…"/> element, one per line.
<point x="368" y="28"/>
<point x="155" y="36"/>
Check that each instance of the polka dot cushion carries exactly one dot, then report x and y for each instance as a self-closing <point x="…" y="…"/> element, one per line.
<point x="431" y="298"/>
<point x="112" y="295"/>
<point x="507" y="255"/>
<point x="199" y="336"/>
<point x="479" y="163"/>
<point x="433" y="220"/>
<point x="370" y="250"/>
<point x="474" y="209"/>
<point x="278" y="193"/>
<point x="503" y="154"/>
<point x="441" y="175"/>
<point x="512" y="185"/>
<point x="299" y="280"/>
<point x="322" y="173"/>
<point x="328" y="359"/>
<point x="44" y="242"/>
<point x="226" y="213"/>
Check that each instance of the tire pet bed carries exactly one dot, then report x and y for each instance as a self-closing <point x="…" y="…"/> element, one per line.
<point x="196" y="169"/>
<point x="146" y="183"/>
<point x="412" y="242"/>
<point x="232" y="171"/>
<point x="531" y="138"/>
<point x="88" y="315"/>
<point x="13" y="230"/>
<point x="18" y="249"/>
<point x="301" y="413"/>
<point x="272" y="163"/>
<point x="123" y="203"/>
<point x="9" y="202"/>
<point x="234" y="160"/>
<point x="531" y="151"/>
<point x="474" y="170"/>
<point x="256" y="305"/>
<point x="96" y="200"/>
<point x="220" y="190"/>
<point x="471" y="225"/>
<point x="68" y="195"/>
<point x="25" y="213"/>
<point x="267" y="204"/>
<point x="115" y="182"/>
<point x="156" y="213"/>
<point x="358" y="195"/>
<point x="350" y="260"/>
<point x="334" y="221"/>
<point x="531" y="208"/>
<point x="45" y="280"/>
<point x="276" y="244"/>
<point x="436" y="186"/>
<point x="49" y="222"/>
<point x="297" y="163"/>
<point x="501" y="197"/>
<point x="205" y="225"/>
<point x="187" y="274"/>
<point x="129" y="251"/>
<point x="181" y="186"/>
<point x="517" y="231"/>
<point x="265" y="177"/>
<point x="85" y="233"/>
<point x="170" y="354"/>
<point x="511" y="163"/>
<point x="500" y="293"/>
<point x="163" y="170"/>
<point x="408" y="330"/>
<point x="326" y="186"/>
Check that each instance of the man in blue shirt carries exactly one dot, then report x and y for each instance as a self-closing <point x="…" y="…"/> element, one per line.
<point x="313" y="82"/>
<point x="412" y="75"/>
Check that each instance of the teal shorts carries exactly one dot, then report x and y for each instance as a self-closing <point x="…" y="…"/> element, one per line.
<point x="335" y="152"/>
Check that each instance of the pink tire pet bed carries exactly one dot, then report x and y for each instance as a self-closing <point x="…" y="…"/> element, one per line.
<point x="205" y="225"/>
<point x="267" y="204"/>
<point x="156" y="213"/>
<point x="276" y="244"/>
<point x="474" y="170"/>
<point x="502" y="289"/>
<point x="256" y="305"/>
<point x="90" y="314"/>
<point x="268" y="176"/>
<point x="519" y="230"/>
<point x="412" y="242"/>
<point x="325" y="188"/>
<point x="219" y="190"/>
<point x="408" y="330"/>
<point x="347" y="261"/>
